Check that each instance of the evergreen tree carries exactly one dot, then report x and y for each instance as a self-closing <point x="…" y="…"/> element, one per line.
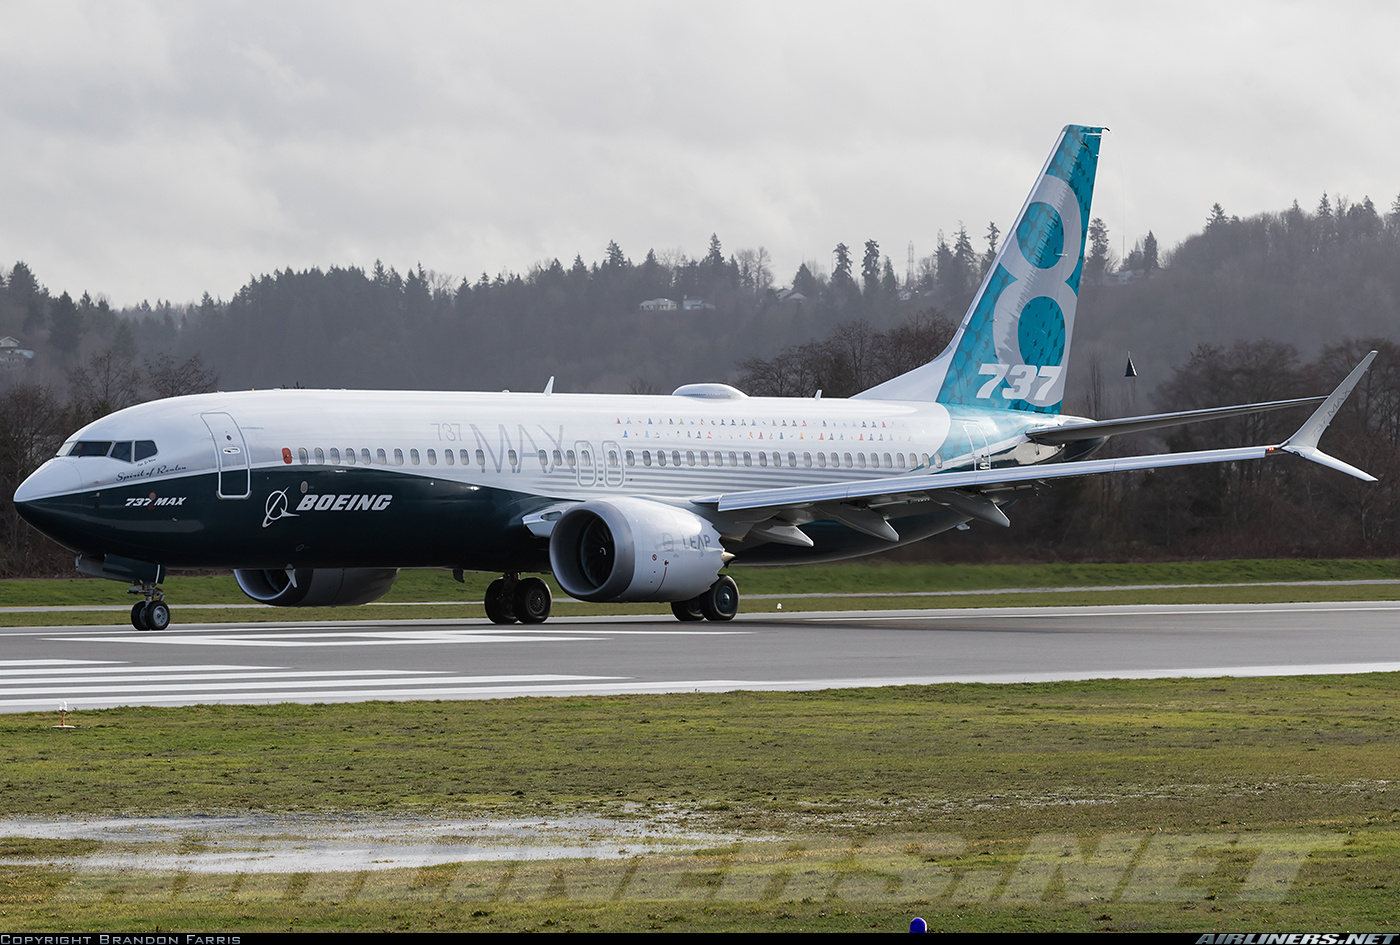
<point x="1149" y="253"/>
<point x="870" y="269"/>
<point x="65" y="326"/>
<point x="1097" y="266"/>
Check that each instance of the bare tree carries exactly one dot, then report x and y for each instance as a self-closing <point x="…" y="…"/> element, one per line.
<point x="168" y="378"/>
<point x="104" y="383"/>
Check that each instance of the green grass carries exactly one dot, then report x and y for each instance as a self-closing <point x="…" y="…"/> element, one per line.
<point x="998" y="768"/>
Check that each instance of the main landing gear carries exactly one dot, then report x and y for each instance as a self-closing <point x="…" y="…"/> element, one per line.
<point x="152" y="613"/>
<point x="511" y="598"/>
<point x="720" y="602"/>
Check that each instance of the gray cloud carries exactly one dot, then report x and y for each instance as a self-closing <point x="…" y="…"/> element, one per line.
<point x="161" y="149"/>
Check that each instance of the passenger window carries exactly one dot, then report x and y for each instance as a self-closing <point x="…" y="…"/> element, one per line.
<point x="510" y="455"/>
<point x="465" y="457"/>
<point x="447" y="455"/>
<point x="398" y="456"/>
<point x="569" y="455"/>
<point x="719" y="458"/>
<point x="860" y="460"/>
<point x="432" y="457"/>
<point x="558" y="458"/>
<point x="335" y="456"/>
<point x="704" y="458"/>
<point x="646" y="457"/>
<point x="121" y="451"/>
<point x="631" y="458"/>
<point x="899" y="457"/>
<point x="888" y="464"/>
<point x="690" y="457"/>
<point x="350" y="457"/>
<point x="612" y="458"/>
<point x="303" y="455"/>
<point x="850" y="463"/>
<point x="807" y="460"/>
<point x="413" y="457"/>
<point x="821" y="460"/>
<point x="661" y="457"/>
<point x="481" y="458"/>
<point x="733" y="458"/>
<point x="320" y="455"/>
<point x="544" y="460"/>
<point x="383" y="459"/>
<point x="675" y="457"/>
<point x="586" y="458"/>
<point x="748" y="460"/>
<point x="762" y="459"/>
<point x="792" y="460"/>
<point x="364" y="455"/>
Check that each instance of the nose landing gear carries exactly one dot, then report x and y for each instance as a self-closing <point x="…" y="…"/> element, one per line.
<point x="153" y="613"/>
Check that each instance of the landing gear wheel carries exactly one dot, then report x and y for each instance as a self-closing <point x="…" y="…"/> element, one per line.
<point x="721" y="601"/>
<point x="138" y="615"/>
<point x="687" y="610"/>
<point x="532" y="601"/>
<point x="157" y="615"/>
<point x="499" y="607"/>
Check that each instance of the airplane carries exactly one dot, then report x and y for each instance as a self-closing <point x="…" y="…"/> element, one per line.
<point x="319" y="497"/>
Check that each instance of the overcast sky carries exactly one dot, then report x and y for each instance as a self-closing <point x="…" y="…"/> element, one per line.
<point x="164" y="149"/>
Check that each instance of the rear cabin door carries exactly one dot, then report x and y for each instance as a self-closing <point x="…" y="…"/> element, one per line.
<point x="231" y="456"/>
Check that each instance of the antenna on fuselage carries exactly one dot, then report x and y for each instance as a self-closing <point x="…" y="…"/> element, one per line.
<point x="549" y="386"/>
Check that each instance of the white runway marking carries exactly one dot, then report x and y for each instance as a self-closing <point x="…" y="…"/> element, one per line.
<point x="344" y="638"/>
<point x="120" y="683"/>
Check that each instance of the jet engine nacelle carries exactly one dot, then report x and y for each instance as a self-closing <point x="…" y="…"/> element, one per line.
<point x="316" y="587"/>
<point x="627" y="549"/>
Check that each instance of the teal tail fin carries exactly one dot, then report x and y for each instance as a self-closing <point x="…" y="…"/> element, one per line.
<point x="1012" y="347"/>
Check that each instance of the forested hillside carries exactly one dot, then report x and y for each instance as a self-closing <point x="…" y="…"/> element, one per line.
<point x="1272" y="306"/>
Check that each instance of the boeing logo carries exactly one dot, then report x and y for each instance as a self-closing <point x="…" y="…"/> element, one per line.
<point x="344" y="503"/>
<point x="276" y="508"/>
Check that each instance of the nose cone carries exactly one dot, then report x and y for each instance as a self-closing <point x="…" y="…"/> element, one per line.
<point x="56" y="477"/>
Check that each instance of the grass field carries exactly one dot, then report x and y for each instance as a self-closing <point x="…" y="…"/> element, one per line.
<point x="1201" y="805"/>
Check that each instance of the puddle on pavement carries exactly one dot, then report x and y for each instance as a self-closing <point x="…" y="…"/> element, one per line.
<point x="264" y="843"/>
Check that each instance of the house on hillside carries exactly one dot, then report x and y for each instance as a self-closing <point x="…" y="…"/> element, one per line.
<point x="11" y="354"/>
<point x="658" y="305"/>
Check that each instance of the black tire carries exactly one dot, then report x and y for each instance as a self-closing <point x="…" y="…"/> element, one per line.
<point x="721" y="601"/>
<point x="157" y="615"/>
<point x="687" y="610"/>
<point x="138" y="615"/>
<point x="499" y="607"/>
<point x="532" y="601"/>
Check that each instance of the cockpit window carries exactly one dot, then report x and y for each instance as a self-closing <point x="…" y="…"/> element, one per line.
<point x="126" y="450"/>
<point x="91" y="448"/>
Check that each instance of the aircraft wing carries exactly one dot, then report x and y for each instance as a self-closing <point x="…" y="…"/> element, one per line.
<point x="860" y="505"/>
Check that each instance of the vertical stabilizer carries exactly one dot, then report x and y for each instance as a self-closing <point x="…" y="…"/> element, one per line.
<point x="1012" y="347"/>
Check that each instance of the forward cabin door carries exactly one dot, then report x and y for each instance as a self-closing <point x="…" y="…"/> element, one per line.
<point x="230" y="455"/>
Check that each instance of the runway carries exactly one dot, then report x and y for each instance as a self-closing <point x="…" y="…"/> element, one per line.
<point x="96" y="667"/>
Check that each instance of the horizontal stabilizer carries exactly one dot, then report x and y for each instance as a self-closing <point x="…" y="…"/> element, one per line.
<point x="1074" y="432"/>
